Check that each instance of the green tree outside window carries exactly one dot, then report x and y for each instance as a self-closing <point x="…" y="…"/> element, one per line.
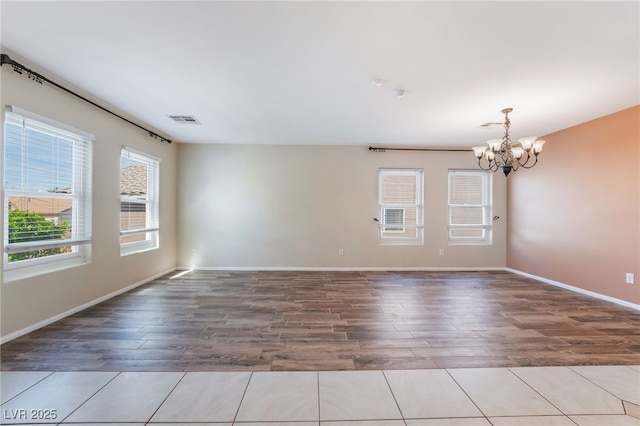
<point x="25" y="226"/>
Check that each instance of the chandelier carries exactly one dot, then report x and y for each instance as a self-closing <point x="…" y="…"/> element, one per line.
<point x="501" y="154"/>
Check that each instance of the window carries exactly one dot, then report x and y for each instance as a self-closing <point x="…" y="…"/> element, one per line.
<point x="47" y="183"/>
<point x="470" y="207"/>
<point x="400" y="206"/>
<point x="139" y="187"/>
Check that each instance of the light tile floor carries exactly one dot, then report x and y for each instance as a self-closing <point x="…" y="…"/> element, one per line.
<point x="523" y="396"/>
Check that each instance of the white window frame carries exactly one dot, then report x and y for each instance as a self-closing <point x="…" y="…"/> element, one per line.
<point x="486" y="227"/>
<point x="151" y="204"/>
<point x="395" y="237"/>
<point x="79" y="195"/>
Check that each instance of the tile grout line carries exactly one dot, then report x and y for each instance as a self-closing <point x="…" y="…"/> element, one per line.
<point x="466" y="394"/>
<point x="24" y="390"/>
<point x="242" y="398"/>
<point x="318" y="384"/>
<point x="535" y="390"/>
<point x="94" y="394"/>
<point x="624" y="409"/>
<point x="166" y="397"/>
<point x="544" y="415"/>
<point x="394" y="397"/>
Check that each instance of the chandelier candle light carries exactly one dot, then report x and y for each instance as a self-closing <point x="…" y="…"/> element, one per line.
<point x="501" y="154"/>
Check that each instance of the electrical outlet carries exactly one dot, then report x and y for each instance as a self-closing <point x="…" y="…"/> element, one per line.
<point x="340" y="252"/>
<point x="441" y="252"/>
<point x="194" y="252"/>
<point x="631" y="279"/>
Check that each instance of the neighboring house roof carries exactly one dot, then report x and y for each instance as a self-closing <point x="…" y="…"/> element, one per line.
<point x="133" y="180"/>
<point x="44" y="205"/>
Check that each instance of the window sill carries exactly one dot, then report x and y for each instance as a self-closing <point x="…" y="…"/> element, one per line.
<point x="401" y="243"/>
<point x="126" y="250"/>
<point x="470" y="243"/>
<point x="16" y="273"/>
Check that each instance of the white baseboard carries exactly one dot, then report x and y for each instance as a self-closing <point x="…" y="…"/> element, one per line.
<point x="346" y="269"/>
<point x="58" y="317"/>
<point x="577" y="289"/>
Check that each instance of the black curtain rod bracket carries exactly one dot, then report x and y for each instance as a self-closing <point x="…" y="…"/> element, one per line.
<point x="39" y="78"/>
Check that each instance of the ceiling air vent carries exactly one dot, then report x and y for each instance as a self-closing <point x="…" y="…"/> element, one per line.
<point x="184" y="119"/>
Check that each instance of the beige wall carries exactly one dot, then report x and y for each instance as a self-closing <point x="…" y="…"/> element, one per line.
<point x="253" y="206"/>
<point x="30" y="301"/>
<point x="575" y="217"/>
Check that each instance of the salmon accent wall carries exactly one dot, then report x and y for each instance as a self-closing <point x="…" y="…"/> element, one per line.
<point x="575" y="217"/>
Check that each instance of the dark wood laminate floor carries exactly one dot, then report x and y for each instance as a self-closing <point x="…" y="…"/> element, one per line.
<point x="220" y="321"/>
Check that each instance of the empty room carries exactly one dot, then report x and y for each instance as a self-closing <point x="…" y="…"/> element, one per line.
<point x="320" y="213"/>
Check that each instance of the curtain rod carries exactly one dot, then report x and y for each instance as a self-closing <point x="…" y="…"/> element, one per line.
<point x="39" y="78"/>
<point x="381" y="149"/>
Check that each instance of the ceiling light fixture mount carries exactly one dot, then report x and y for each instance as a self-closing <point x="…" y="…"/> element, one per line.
<point x="501" y="154"/>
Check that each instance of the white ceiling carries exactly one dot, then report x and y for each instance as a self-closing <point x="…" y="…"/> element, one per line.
<point x="302" y="72"/>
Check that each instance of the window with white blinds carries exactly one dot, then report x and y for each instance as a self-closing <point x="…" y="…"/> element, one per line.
<point x="470" y="207"/>
<point x="139" y="208"/>
<point x="400" y="203"/>
<point x="47" y="183"/>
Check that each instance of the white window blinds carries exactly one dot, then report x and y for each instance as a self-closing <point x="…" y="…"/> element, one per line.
<point x="139" y="208"/>
<point x="400" y="202"/>
<point x="470" y="207"/>
<point x="47" y="181"/>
